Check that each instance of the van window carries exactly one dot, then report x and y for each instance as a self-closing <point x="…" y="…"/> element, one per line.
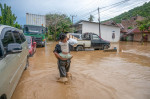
<point x="23" y="39"/>
<point x="95" y="37"/>
<point x="17" y="37"/>
<point x="8" y="38"/>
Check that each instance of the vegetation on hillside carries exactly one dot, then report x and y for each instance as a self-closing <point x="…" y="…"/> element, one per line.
<point x="7" y="17"/>
<point x="143" y="10"/>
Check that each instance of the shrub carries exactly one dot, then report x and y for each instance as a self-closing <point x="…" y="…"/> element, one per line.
<point x="50" y="38"/>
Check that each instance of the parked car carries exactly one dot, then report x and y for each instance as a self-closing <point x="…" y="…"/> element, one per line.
<point x="91" y="40"/>
<point x="31" y="45"/>
<point x="13" y="59"/>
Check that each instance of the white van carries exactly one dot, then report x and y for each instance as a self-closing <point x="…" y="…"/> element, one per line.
<point x="13" y="59"/>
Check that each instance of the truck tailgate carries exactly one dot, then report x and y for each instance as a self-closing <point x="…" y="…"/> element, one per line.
<point x="85" y="43"/>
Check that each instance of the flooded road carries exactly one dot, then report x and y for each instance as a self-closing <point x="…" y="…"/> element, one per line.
<point x="124" y="74"/>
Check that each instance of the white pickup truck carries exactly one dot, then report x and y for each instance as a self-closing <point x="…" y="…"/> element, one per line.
<point x="90" y="40"/>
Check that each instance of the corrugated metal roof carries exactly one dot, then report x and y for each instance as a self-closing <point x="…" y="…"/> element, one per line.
<point x="80" y="22"/>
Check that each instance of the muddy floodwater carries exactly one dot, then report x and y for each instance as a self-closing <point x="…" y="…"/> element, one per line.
<point x="124" y="74"/>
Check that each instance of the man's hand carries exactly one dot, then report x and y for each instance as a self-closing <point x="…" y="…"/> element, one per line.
<point x="59" y="57"/>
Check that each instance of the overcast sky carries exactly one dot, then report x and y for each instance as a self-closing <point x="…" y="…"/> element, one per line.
<point x="80" y="8"/>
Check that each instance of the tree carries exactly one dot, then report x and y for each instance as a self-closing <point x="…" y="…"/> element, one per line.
<point x="7" y="17"/>
<point x="58" y="23"/>
<point x="91" y="18"/>
<point x="140" y="10"/>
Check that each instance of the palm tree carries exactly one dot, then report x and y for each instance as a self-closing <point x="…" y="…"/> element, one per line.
<point x="91" y="18"/>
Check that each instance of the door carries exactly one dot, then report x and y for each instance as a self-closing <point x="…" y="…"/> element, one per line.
<point x="8" y="66"/>
<point x="96" y="41"/>
<point x="19" y="38"/>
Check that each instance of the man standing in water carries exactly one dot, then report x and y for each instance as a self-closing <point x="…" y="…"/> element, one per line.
<point x="62" y="53"/>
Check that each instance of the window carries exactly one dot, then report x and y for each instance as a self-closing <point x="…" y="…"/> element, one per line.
<point x="17" y="37"/>
<point x="77" y="36"/>
<point x="113" y="35"/>
<point x="8" y="38"/>
<point x="95" y="37"/>
<point x="23" y="39"/>
<point x="86" y="36"/>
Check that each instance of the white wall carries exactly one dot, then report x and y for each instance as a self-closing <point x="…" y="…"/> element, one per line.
<point x="106" y="31"/>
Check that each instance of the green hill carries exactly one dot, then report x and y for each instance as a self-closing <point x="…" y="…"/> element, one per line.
<point x="143" y="10"/>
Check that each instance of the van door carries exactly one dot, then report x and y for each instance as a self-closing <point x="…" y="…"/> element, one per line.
<point x="96" y="41"/>
<point x="22" y="56"/>
<point x="8" y="66"/>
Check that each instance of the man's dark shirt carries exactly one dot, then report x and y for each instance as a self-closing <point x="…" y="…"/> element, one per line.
<point x="57" y="49"/>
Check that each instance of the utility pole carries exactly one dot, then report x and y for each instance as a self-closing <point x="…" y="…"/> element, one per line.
<point x="72" y="22"/>
<point x="73" y="17"/>
<point x="99" y="22"/>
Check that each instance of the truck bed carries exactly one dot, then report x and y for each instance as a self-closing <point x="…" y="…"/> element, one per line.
<point x="85" y="43"/>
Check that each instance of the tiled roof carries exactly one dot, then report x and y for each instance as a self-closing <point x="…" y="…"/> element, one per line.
<point x="136" y="30"/>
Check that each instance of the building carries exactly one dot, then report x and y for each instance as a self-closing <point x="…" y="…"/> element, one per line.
<point x="132" y="22"/>
<point x="136" y="35"/>
<point x="108" y="32"/>
<point x="127" y="27"/>
<point x="123" y="32"/>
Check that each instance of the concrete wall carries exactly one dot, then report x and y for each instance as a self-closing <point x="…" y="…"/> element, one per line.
<point x="138" y="36"/>
<point x="149" y="37"/>
<point x="106" y="31"/>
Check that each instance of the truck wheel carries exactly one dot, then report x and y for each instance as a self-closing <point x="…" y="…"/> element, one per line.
<point x="105" y="47"/>
<point x="80" y="48"/>
<point x="3" y="97"/>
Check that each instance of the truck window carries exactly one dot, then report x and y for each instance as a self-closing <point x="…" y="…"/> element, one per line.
<point x="77" y="36"/>
<point x="34" y="29"/>
<point x="8" y="38"/>
<point x="17" y="37"/>
<point x="95" y="37"/>
<point x="86" y="36"/>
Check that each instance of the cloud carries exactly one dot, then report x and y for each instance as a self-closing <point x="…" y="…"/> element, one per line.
<point x="69" y="7"/>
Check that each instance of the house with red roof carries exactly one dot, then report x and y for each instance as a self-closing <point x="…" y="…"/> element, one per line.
<point x="136" y="35"/>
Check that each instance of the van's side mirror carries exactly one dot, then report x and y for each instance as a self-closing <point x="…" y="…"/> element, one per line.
<point x="14" y="48"/>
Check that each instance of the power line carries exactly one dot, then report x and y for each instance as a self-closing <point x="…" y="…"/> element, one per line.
<point x="110" y="13"/>
<point x="113" y="5"/>
<point x="119" y="9"/>
<point x="118" y="3"/>
<point x="86" y="7"/>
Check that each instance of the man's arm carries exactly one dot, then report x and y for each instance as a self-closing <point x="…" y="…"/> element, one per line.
<point x="56" y="51"/>
<point x="59" y="57"/>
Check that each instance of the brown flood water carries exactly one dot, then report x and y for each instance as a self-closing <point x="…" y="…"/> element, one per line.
<point x="124" y="74"/>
